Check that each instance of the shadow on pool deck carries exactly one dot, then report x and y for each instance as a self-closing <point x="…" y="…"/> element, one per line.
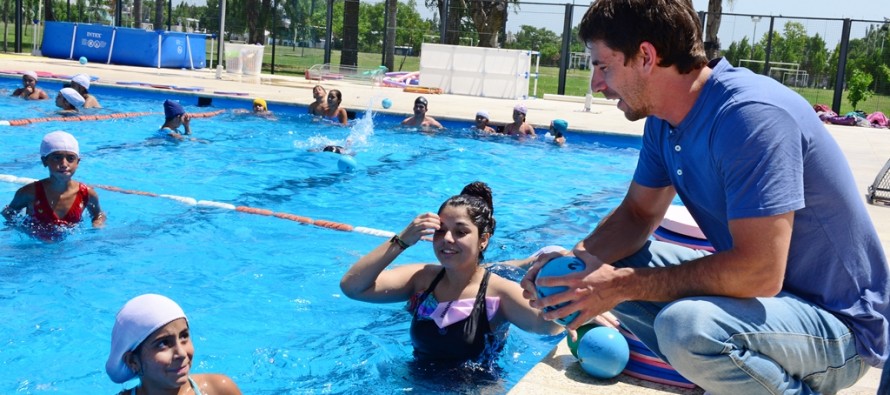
<point x="558" y="373"/>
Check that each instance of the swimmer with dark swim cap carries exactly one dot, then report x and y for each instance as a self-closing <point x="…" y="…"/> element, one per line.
<point x="334" y="148"/>
<point x="174" y="117"/>
<point x="420" y="119"/>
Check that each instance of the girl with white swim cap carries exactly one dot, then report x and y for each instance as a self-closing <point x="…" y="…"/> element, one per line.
<point x="151" y="340"/>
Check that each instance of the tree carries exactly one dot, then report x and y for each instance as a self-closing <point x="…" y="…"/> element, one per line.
<point x="48" y="11"/>
<point x="489" y="17"/>
<point x="858" y="87"/>
<point x="815" y="60"/>
<point x="392" y="9"/>
<point x="137" y="14"/>
<point x="539" y="39"/>
<point x="481" y="18"/>
<point x="349" y="53"/>
<point x="712" y="26"/>
<point x="159" y="14"/>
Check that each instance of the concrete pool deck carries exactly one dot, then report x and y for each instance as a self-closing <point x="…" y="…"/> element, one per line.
<point x="866" y="149"/>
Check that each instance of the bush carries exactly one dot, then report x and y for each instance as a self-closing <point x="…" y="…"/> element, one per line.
<point x="857" y="87"/>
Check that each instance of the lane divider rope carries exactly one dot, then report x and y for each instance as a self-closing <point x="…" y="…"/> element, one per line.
<point x="321" y="223"/>
<point x="98" y="117"/>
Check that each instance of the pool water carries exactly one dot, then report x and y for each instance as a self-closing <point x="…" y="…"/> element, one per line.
<point x="262" y="293"/>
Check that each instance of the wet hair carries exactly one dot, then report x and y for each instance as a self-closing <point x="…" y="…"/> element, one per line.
<point x="671" y="26"/>
<point x="336" y="94"/>
<point x="333" y="148"/>
<point x="476" y="197"/>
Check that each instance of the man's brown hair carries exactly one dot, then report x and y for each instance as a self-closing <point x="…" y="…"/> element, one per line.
<point x="671" y="26"/>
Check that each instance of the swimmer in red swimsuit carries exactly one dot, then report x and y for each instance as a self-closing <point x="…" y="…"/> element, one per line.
<point x="56" y="203"/>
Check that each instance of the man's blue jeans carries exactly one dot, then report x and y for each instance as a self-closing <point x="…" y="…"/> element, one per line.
<point x="777" y="345"/>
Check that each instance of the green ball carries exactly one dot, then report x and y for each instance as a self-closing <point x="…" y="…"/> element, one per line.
<point x="573" y="345"/>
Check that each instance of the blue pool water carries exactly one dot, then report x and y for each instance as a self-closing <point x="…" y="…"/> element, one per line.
<point x="262" y="293"/>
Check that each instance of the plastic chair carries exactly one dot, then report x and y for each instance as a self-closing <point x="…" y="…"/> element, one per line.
<point x="879" y="191"/>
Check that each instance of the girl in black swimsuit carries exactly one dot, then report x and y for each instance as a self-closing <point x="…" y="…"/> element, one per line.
<point x="455" y="305"/>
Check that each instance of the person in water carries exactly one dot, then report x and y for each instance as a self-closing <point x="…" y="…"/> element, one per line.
<point x="81" y="83"/>
<point x="69" y="100"/>
<point x="151" y="339"/>
<point x="459" y="309"/>
<point x="55" y="204"/>
<point x="482" y="120"/>
<point x="420" y="119"/>
<point x="558" y="128"/>
<point x="260" y="107"/>
<point x="29" y="89"/>
<point x="519" y="127"/>
<point x="334" y="112"/>
<point x="175" y="116"/>
<point x="319" y="106"/>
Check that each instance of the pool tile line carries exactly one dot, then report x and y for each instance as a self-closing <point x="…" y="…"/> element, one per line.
<point x="321" y="223"/>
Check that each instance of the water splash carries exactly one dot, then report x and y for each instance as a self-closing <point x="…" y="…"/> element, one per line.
<point x="360" y="133"/>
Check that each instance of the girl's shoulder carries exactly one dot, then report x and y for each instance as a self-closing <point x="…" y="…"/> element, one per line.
<point x="500" y="286"/>
<point x="215" y="383"/>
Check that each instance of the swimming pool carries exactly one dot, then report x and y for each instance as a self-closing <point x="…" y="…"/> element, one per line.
<point x="261" y="292"/>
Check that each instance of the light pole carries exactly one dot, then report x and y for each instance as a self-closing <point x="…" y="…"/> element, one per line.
<point x="755" y="19"/>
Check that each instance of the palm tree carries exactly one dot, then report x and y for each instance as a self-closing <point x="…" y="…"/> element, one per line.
<point x="159" y="14"/>
<point x="712" y="26"/>
<point x="488" y="19"/>
<point x="48" y="10"/>
<point x="349" y="52"/>
<point x="392" y="7"/>
<point x="137" y="14"/>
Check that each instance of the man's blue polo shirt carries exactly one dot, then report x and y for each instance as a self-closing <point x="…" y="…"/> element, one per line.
<point x="751" y="147"/>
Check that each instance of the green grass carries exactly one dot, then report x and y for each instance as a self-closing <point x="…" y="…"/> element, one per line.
<point x="826" y="96"/>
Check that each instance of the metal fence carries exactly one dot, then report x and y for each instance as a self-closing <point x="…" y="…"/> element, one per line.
<point x="816" y="57"/>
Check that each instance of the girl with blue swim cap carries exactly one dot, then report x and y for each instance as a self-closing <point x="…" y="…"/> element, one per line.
<point x="459" y="309"/>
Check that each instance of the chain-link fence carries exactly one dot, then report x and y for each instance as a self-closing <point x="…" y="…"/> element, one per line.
<point x="806" y="54"/>
<point x="802" y="53"/>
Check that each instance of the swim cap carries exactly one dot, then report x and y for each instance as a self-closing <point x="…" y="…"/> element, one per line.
<point x="82" y="80"/>
<point x="260" y="102"/>
<point x="421" y="100"/>
<point x="58" y="141"/>
<point x="520" y="108"/>
<point x="72" y="97"/>
<point x="560" y="125"/>
<point x="30" y="74"/>
<point x="333" y="148"/>
<point x="483" y="114"/>
<point x="172" y="109"/>
<point x="135" y="321"/>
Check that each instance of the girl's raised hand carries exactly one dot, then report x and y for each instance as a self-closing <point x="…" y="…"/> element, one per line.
<point x="423" y="225"/>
